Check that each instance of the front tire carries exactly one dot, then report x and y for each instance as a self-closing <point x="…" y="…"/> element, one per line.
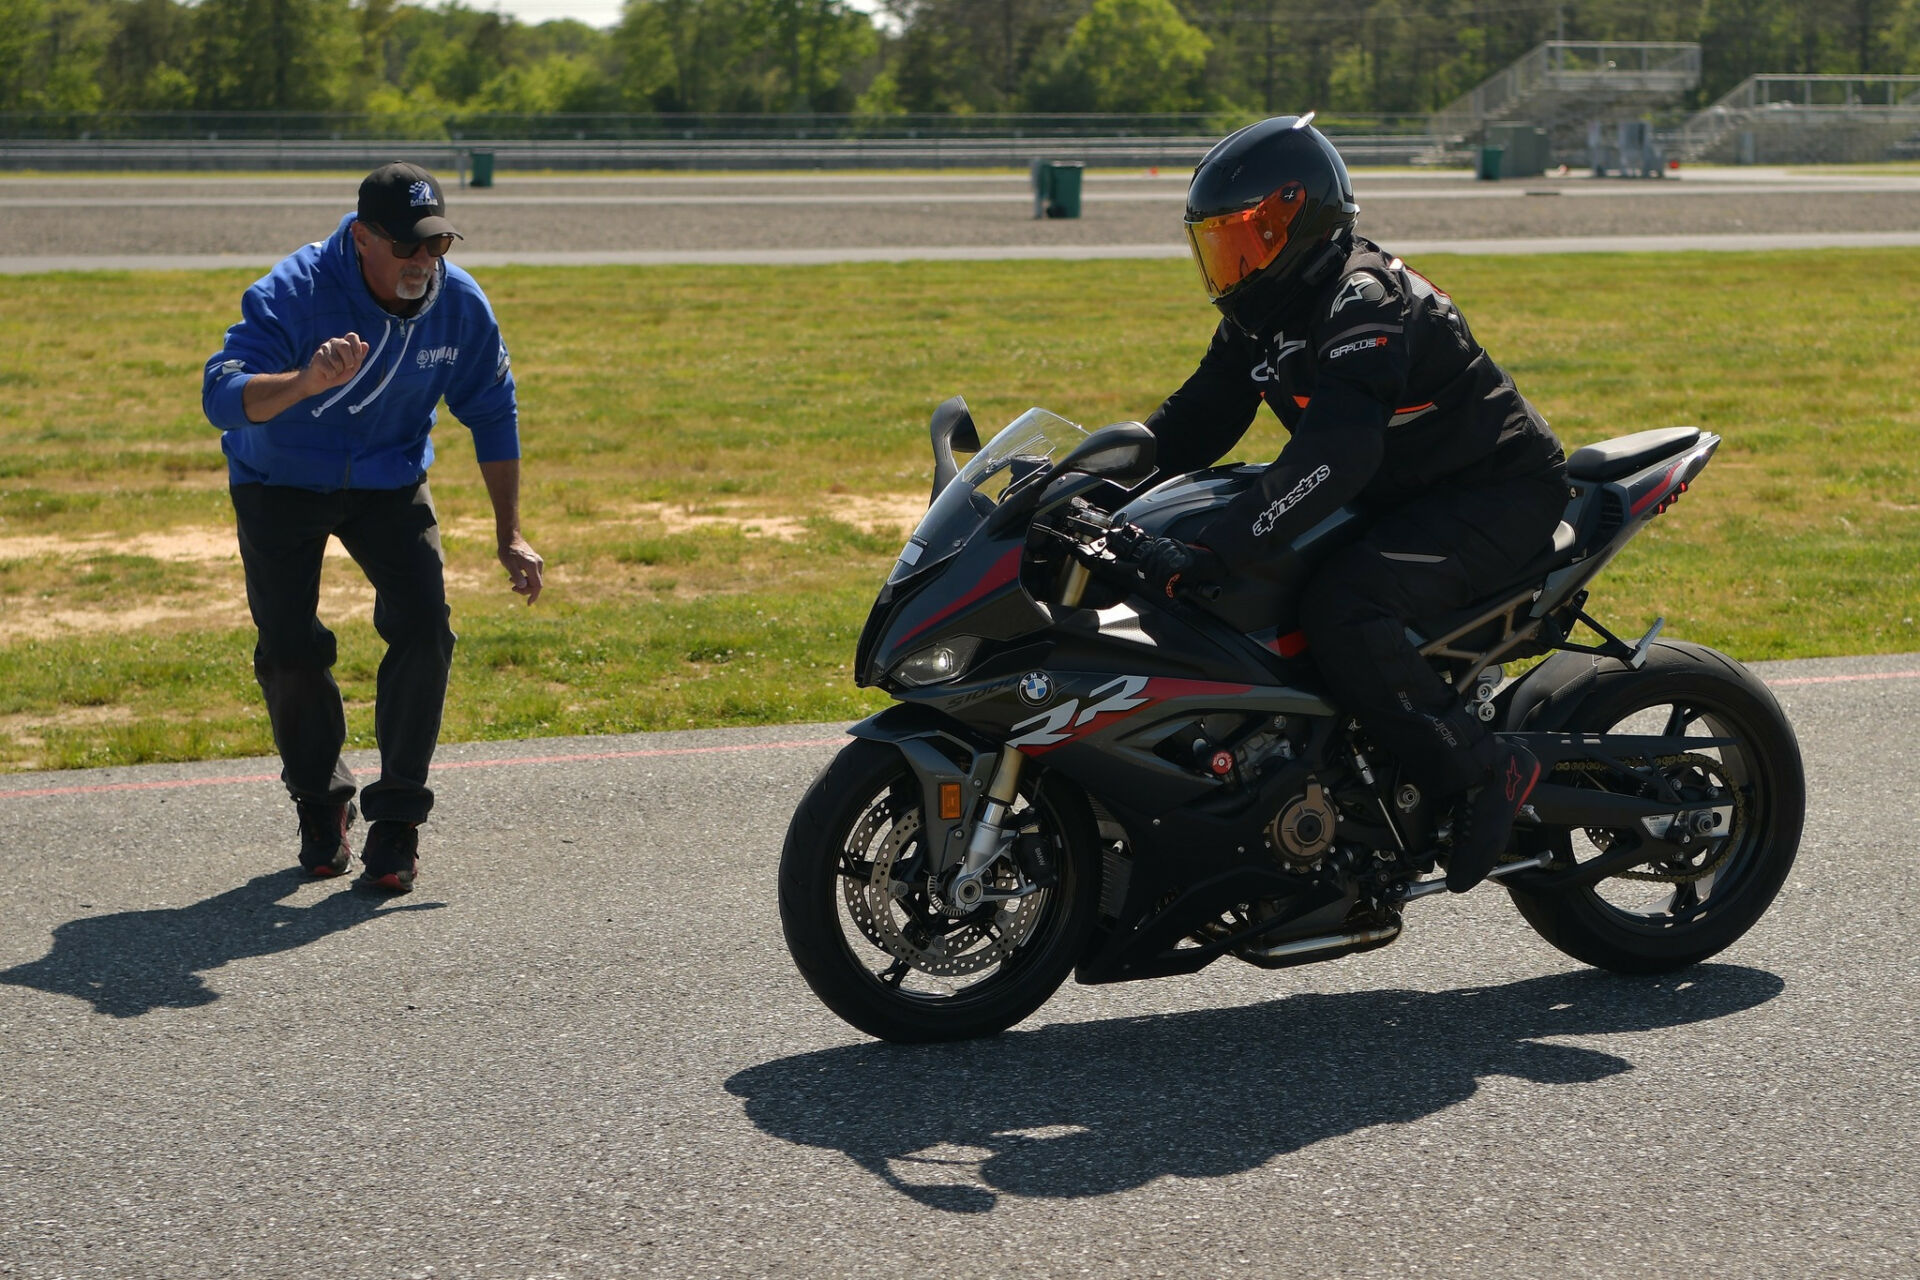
<point x="1674" y="911"/>
<point x="868" y="936"/>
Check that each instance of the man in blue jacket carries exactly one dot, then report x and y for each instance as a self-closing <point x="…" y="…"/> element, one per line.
<point x="325" y="394"/>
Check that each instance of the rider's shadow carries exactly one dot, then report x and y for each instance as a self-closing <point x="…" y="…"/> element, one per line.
<point x="133" y="962"/>
<point x="1094" y="1108"/>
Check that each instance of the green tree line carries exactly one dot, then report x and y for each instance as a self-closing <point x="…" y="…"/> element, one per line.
<point x="405" y="61"/>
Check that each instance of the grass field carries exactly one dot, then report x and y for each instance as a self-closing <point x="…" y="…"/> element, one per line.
<point x="721" y="462"/>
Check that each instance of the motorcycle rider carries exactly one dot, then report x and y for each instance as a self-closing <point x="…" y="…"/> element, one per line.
<point x="1392" y="406"/>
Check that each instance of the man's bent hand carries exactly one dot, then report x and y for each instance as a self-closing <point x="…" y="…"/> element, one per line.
<point x="334" y="364"/>
<point x="268" y="395"/>
<point x="523" y="565"/>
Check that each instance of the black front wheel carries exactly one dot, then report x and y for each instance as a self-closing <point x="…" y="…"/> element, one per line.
<point x="1746" y="799"/>
<point x="870" y="933"/>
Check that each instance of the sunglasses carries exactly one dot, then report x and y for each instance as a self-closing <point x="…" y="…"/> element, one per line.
<point x="436" y="246"/>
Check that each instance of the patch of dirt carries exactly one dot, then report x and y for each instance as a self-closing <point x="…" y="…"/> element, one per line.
<point x="346" y="596"/>
<point x="28" y="730"/>
<point x="189" y="544"/>
<point x="883" y="513"/>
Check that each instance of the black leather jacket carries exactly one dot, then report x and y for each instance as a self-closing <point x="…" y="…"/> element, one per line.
<point x="1386" y="395"/>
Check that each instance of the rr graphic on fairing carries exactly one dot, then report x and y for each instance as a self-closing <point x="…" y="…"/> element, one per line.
<point x="1078" y="778"/>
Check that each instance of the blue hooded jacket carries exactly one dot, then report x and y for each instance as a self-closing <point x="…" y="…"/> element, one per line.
<point x="371" y="433"/>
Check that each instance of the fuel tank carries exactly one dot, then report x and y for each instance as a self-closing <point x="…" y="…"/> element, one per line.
<point x="1260" y="598"/>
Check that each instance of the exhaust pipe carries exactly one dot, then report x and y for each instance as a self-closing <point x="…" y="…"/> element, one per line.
<point x="1331" y="942"/>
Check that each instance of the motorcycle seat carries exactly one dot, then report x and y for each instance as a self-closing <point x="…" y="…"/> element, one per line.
<point x="1621" y="457"/>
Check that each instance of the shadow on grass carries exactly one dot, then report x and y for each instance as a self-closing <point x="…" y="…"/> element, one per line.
<point x="1090" y="1109"/>
<point x="134" y="962"/>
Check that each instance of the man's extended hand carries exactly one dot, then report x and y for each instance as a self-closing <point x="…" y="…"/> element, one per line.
<point x="523" y="565"/>
<point x="1166" y="565"/>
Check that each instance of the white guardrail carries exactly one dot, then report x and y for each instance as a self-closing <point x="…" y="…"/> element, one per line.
<point x="544" y="154"/>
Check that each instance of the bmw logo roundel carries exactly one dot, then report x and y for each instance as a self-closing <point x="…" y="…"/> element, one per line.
<point x="1036" y="687"/>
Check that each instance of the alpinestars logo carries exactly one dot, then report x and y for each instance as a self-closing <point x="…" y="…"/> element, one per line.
<point x="428" y="356"/>
<point x="1264" y="523"/>
<point x="1359" y="287"/>
<point x="1269" y="369"/>
<point x="420" y="193"/>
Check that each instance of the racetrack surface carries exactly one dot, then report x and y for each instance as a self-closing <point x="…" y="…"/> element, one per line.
<point x="93" y="223"/>
<point x="579" y="1050"/>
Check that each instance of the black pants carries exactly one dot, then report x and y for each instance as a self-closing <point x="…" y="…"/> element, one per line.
<point x="1434" y="554"/>
<point x="394" y="537"/>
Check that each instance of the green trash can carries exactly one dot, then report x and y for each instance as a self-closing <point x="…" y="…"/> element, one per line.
<point x="483" y="168"/>
<point x="1488" y="169"/>
<point x="1056" y="188"/>
<point x="1063" y="190"/>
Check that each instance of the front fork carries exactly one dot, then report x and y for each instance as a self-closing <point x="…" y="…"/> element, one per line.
<point x="989" y="838"/>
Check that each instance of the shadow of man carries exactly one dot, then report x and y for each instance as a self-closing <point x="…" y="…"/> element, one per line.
<point x="1094" y="1108"/>
<point x="134" y="962"/>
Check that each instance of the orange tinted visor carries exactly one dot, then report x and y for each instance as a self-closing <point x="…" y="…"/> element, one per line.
<point x="1233" y="246"/>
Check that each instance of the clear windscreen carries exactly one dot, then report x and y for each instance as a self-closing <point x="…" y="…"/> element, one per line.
<point x="1030" y="443"/>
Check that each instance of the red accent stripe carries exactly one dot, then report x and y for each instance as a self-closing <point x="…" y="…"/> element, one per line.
<point x="1658" y="491"/>
<point x="1159" y="689"/>
<point x="1004" y="570"/>
<point x="1290" y="645"/>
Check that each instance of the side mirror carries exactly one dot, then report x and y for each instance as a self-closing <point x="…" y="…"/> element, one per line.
<point x="952" y="425"/>
<point x="1123" y="452"/>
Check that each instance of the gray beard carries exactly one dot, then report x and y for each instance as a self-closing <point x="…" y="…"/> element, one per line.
<point x="412" y="290"/>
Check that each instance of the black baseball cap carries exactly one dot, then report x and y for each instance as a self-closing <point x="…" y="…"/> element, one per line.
<point x="406" y="202"/>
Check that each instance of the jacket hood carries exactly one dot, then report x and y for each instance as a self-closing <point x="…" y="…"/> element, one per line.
<point x="340" y="261"/>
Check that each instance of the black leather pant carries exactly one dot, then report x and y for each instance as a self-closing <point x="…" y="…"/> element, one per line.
<point x="394" y="537"/>
<point x="1435" y="554"/>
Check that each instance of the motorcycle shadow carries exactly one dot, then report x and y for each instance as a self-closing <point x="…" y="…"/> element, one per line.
<point x="1090" y="1109"/>
<point x="130" y="963"/>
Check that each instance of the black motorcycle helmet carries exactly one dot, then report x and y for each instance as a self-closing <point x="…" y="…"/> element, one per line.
<point x="1268" y="213"/>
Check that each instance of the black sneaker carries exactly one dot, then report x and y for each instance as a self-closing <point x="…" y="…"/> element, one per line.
<point x="1484" y="820"/>
<point x="390" y="858"/>
<point x="324" y="850"/>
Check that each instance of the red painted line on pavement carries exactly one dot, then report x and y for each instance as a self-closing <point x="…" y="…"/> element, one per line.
<point x="680" y="751"/>
<point x="457" y="764"/>
<point x="1870" y="675"/>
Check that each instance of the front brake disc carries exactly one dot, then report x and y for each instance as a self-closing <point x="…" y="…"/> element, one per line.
<point x="878" y="908"/>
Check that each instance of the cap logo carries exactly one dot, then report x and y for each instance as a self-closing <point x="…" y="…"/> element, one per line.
<point x="420" y="193"/>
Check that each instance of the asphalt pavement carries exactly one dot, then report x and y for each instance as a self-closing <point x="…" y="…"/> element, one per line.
<point x="121" y="222"/>
<point x="579" y="1050"/>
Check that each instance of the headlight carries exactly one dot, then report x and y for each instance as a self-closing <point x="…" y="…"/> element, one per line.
<point x="936" y="663"/>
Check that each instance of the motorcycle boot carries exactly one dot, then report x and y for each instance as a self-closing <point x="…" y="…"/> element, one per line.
<point x="1484" y="820"/>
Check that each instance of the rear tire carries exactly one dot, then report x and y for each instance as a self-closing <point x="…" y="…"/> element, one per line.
<point x="1708" y="904"/>
<point x="855" y="907"/>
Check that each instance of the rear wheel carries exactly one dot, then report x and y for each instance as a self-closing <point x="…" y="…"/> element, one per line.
<point x="1745" y="803"/>
<point x="866" y="926"/>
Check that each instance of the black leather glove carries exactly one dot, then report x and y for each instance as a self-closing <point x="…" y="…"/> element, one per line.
<point x="1167" y="565"/>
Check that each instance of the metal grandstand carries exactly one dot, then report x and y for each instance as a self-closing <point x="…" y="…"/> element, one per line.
<point x="1804" y="119"/>
<point x="1564" y="85"/>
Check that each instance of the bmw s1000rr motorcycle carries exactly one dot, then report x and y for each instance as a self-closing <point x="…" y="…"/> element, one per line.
<point x="1077" y="778"/>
